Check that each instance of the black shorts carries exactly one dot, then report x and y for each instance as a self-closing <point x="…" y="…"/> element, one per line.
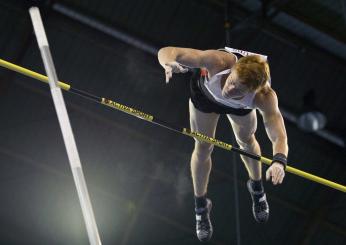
<point x="204" y="104"/>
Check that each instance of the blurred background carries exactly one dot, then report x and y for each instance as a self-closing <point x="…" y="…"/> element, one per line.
<point x="137" y="173"/>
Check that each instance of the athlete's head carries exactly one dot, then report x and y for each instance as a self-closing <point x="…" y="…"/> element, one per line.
<point x="249" y="74"/>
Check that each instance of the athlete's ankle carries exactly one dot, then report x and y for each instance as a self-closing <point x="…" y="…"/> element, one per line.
<point x="256" y="185"/>
<point x="200" y="201"/>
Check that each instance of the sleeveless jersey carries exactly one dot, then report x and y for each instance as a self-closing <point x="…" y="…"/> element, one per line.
<point x="212" y="87"/>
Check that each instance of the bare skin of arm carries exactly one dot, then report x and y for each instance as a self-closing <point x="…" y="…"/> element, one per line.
<point x="267" y="102"/>
<point x="213" y="60"/>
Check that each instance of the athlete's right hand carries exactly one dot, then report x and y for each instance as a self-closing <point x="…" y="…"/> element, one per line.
<point x="173" y="67"/>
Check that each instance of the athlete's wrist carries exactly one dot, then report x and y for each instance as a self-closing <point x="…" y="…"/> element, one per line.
<point x="281" y="159"/>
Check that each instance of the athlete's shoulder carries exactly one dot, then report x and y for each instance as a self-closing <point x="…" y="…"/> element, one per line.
<point x="266" y="98"/>
<point x="218" y="60"/>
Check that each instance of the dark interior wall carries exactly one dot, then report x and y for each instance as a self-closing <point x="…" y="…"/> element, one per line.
<point x="324" y="15"/>
<point x="296" y="68"/>
<point x="138" y="174"/>
<point x="156" y="21"/>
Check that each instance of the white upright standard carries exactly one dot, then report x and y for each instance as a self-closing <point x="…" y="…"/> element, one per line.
<point x="66" y="129"/>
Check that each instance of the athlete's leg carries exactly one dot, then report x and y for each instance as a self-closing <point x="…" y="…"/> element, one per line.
<point x="204" y="123"/>
<point x="244" y="128"/>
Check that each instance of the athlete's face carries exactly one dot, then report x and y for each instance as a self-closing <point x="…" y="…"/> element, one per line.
<point x="233" y="88"/>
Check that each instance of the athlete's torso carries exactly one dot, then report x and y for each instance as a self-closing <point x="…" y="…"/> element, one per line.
<point x="212" y="86"/>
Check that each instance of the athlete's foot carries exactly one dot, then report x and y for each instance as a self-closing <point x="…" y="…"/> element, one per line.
<point x="260" y="207"/>
<point x="204" y="228"/>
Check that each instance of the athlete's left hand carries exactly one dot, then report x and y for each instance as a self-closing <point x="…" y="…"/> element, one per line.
<point x="276" y="172"/>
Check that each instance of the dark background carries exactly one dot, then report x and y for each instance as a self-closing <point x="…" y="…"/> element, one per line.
<point x="137" y="173"/>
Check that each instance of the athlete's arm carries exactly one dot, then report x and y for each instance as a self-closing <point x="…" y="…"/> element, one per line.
<point x="173" y="58"/>
<point x="267" y="103"/>
<point x="189" y="57"/>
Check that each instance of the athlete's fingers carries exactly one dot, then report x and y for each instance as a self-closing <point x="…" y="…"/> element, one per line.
<point x="168" y="72"/>
<point x="268" y="174"/>
<point x="276" y="175"/>
<point x="167" y="77"/>
<point x="282" y="177"/>
<point x="279" y="174"/>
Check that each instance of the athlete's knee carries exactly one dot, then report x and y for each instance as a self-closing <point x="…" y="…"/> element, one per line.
<point x="247" y="142"/>
<point x="203" y="150"/>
